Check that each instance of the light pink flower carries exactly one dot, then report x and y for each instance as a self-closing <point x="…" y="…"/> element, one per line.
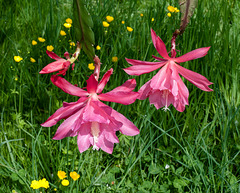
<point x="92" y="121"/>
<point x="166" y="87"/>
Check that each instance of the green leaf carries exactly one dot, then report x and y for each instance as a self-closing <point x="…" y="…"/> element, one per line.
<point x="153" y="169"/>
<point x="82" y="26"/>
<point x="187" y="8"/>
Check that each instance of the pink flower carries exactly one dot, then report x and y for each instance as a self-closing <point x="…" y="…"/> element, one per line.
<point x="60" y="64"/>
<point x="94" y="122"/>
<point x="166" y="87"/>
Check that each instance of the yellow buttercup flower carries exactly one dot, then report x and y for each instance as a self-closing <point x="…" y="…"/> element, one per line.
<point x="67" y="25"/>
<point x="34" y="42"/>
<point x="50" y="48"/>
<point x="109" y="18"/>
<point x="98" y="47"/>
<point x="65" y="182"/>
<point x="176" y="10"/>
<point x="152" y="19"/>
<point x="43" y="183"/>
<point x="68" y="20"/>
<point x="123" y="22"/>
<point x="61" y="175"/>
<point x="72" y="44"/>
<point x="16" y="78"/>
<point x="129" y="29"/>
<point x="40" y="39"/>
<point x="105" y="24"/>
<point x="18" y="58"/>
<point x="62" y="33"/>
<point x="74" y="175"/>
<point x="114" y="59"/>
<point x="91" y="67"/>
<point x="141" y="15"/>
<point x="55" y="189"/>
<point x="169" y="14"/>
<point x="35" y="184"/>
<point x="32" y="60"/>
<point x="171" y="8"/>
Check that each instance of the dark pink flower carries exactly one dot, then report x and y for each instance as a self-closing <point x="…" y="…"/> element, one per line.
<point x="92" y="121"/>
<point x="167" y="87"/>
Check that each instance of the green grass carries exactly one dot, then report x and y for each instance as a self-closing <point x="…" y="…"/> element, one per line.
<point x="201" y="145"/>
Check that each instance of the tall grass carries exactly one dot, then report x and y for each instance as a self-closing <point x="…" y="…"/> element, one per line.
<point x="201" y="145"/>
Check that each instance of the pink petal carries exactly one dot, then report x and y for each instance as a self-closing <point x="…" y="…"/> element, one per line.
<point x="66" y="55"/>
<point x="53" y="67"/>
<point x="143" y="69"/>
<point x="157" y="58"/>
<point x="109" y="132"/>
<point x="128" y="86"/>
<point x="69" y="127"/>
<point x="127" y="128"/>
<point x="94" y="113"/>
<point x="68" y="87"/>
<point x="53" y="55"/>
<point x="64" y="112"/>
<point x="145" y="90"/>
<point x="104" y="144"/>
<point x="139" y="62"/>
<point x="92" y="84"/>
<point x="84" y="136"/>
<point x="159" y="100"/>
<point x="125" y="98"/>
<point x="197" y="79"/>
<point x="104" y="81"/>
<point x="159" y="45"/>
<point x="198" y="53"/>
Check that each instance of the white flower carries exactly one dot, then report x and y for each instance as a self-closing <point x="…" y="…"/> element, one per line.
<point x="167" y="166"/>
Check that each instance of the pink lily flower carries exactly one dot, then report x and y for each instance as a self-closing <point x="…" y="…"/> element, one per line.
<point x="166" y="87"/>
<point x="92" y="121"/>
<point x="60" y="64"/>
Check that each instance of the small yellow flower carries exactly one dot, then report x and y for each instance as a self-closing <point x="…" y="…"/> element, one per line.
<point x="40" y="39"/>
<point x="129" y="29"/>
<point x="169" y="14"/>
<point x="74" y="175"/>
<point x="67" y="25"/>
<point x="91" y="67"/>
<point x="68" y="20"/>
<point x="32" y="60"/>
<point x="43" y="183"/>
<point x="55" y="189"/>
<point x="171" y="8"/>
<point x="141" y="15"/>
<point x="35" y="184"/>
<point x="50" y="48"/>
<point x="109" y="18"/>
<point x="152" y="19"/>
<point x="16" y="78"/>
<point x="61" y="175"/>
<point x="123" y="22"/>
<point x="65" y="182"/>
<point x="34" y="42"/>
<point x="114" y="59"/>
<point x="18" y="58"/>
<point x="62" y="33"/>
<point x="105" y="24"/>
<point x="98" y="47"/>
<point x="176" y="10"/>
<point x="14" y="191"/>
<point x="72" y="44"/>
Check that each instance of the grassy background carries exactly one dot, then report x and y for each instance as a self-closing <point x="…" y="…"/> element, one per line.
<point x="201" y="145"/>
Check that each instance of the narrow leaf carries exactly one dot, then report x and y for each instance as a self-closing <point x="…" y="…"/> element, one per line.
<point x="82" y="26"/>
<point x="187" y="8"/>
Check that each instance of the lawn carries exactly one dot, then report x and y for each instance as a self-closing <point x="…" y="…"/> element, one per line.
<point x="195" y="151"/>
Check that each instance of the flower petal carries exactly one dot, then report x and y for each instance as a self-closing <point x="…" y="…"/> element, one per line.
<point x="139" y="62"/>
<point x="143" y="69"/>
<point x="145" y="90"/>
<point x="127" y="128"/>
<point x="54" y="66"/>
<point x="104" y="81"/>
<point x="84" y="136"/>
<point x="64" y="112"/>
<point x="53" y="55"/>
<point x="157" y="58"/>
<point x="68" y="87"/>
<point x="159" y="45"/>
<point x="197" y="79"/>
<point x="198" y="53"/>
<point x="128" y="86"/>
<point x="92" y="84"/>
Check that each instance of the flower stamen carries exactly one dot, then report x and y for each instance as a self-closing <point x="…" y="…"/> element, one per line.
<point x="95" y="132"/>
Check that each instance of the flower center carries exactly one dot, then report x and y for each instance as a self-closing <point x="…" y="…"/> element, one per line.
<point x="95" y="132"/>
<point x="165" y="94"/>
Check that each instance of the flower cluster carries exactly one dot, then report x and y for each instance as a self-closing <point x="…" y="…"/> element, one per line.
<point x="43" y="183"/>
<point x="62" y="175"/>
<point x="172" y="9"/>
